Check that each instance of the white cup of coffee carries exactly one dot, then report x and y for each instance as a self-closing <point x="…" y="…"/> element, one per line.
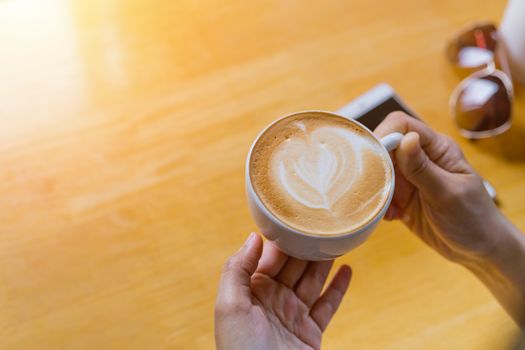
<point x="319" y="183"/>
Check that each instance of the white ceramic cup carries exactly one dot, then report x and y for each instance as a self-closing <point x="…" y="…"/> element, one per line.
<point x="307" y="246"/>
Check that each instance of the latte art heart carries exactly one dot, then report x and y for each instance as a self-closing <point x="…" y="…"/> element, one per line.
<point x="320" y="174"/>
<point x="318" y="169"/>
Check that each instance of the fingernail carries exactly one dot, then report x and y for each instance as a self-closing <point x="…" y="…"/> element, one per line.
<point x="250" y="239"/>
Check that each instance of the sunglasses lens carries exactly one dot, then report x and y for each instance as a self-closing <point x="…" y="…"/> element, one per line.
<point x="474" y="48"/>
<point x="483" y="107"/>
<point x="473" y="57"/>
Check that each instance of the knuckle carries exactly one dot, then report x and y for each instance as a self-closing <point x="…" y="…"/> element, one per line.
<point x="447" y="140"/>
<point x="420" y="167"/>
<point x="229" y="305"/>
<point x="451" y="155"/>
<point x="451" y="141"/>
<point x="452" y="145"/>
<point x="222" y="309"/>
<point x="230" y="264"/>
<point x="458" y="151"/>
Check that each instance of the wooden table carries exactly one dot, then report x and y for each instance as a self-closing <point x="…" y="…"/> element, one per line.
<point x="123" y="131"/>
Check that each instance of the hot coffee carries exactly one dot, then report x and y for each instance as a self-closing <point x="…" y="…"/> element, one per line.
<point x="320" y="174"/>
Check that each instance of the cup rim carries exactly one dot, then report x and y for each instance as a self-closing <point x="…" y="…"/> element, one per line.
<point x="276" y="220"/>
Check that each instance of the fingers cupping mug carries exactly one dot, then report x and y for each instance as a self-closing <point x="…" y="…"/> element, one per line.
<point x="319" y="183"/>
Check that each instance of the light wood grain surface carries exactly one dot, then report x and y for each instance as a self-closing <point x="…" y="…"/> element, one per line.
<point x="123" y="131"/>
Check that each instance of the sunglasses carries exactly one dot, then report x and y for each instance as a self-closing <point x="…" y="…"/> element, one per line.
<point x="482" y="103"/>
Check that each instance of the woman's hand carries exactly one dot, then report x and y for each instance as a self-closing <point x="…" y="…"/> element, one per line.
<point x="268" y="300"/>
<point x="438" y="195"/>
<point x="441" y="198"/>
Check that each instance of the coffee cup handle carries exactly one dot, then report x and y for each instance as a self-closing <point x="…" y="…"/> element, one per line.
<point x="391" y="141"/>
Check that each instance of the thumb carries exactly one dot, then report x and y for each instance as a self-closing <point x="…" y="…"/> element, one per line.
<point x="237" y="272"/>
<point x="417" y="167"/>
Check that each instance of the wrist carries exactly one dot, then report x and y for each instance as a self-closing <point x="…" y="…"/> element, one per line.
<point x="488" y="236"/>
<point x="501" y="269"/>
<point x="503" y="243"/>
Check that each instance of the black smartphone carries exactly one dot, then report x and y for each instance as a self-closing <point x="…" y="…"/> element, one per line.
<point x="374" y="105"/>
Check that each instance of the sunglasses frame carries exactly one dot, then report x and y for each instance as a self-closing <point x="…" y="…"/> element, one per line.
<point x="477" y="73"/>
<point x="507" y="83"/>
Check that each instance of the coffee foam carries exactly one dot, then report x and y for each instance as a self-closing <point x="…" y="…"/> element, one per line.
<point x="320" y="174"/>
